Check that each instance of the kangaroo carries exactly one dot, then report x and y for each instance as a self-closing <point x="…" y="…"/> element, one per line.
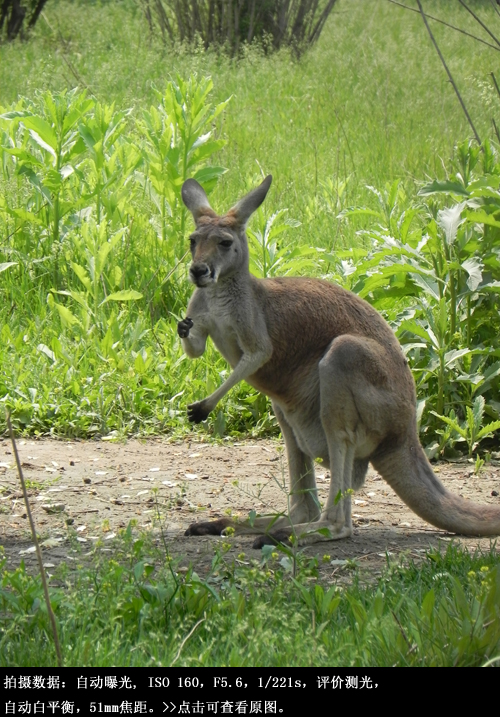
<point x="340" y="386"/>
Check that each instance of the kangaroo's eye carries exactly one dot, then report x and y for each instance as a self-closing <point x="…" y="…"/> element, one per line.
<point x="226" y="243"/>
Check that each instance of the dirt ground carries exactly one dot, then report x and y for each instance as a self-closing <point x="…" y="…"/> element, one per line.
<point x="83" y="491"/>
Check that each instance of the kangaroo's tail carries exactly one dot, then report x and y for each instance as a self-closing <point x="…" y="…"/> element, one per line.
<point x="408" y="471"/>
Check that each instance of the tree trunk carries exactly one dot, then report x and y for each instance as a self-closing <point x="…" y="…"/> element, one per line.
<point x="14" y="13"/>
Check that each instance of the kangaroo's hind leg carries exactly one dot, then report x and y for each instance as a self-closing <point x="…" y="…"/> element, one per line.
<point x="358" y="410"/>
<point x="304" y="501"/>
<point x="355" y="413"/>
<point x="304" y="505"/>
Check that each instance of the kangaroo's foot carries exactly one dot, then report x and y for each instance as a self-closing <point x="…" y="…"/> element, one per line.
<point x="209" y="527"/>
<point x="268" y="524"/>
<point x="198" y="412"/>
<point x="277" y="537"/>
<point x="305" y="534"/>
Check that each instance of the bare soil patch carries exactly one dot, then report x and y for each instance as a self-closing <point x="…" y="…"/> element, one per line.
<point x="85" y="491"/>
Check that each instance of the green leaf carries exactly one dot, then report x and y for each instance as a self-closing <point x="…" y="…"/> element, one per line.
<point x="428" y="604"/>
<point x="15" y="114"/>
<point x="198" y="153"/>
<point x="68" y="319"/>
<point x="87" y="137"/>
<point x="486" y="181"/>
<point x="43" y="130"/>
<point x="482" y="217"/>
<point x="377" y="606"/>
<point x="358" y="610"/>
<point x="450" y="219"/>
<point x="52" y="180"/>
<point x="451" y="357"/>
<point x="219" y="425"/>
<point x="23" y="156"/>
<point x="360" y="212"/>
<point x="209" y="175"/>
<point x="7" y="264"/>
<point x="77" y="296"/>
<point x="473" y="268"/>
<point x="325" y="532"/>
<point x="416" y="329"/>
<point x="487" y="430"/>
<point x="492" y="371"/>
<point x="26" y="216"/>
<point x="448" y="187"/>
<point x="39" y="141"/>
<point x="478" y="411"/>
<point x="124" y="295"/>
<point x="456" y="426"/>
<point x="115" y="276"/>
<point x="355" y="253"/>
<point x="393" y="271"/>
<point x="45" y="350"/>
<point x="107" y="345"/>
<point x="491" y="286"/>
<point x="429" y="285"/>
<point x="82" y="275"/>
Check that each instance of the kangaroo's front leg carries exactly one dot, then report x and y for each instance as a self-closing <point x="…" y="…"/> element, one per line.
<point x="248" y="364"/>
<point x="193" y="337"/>
<point x="256" y="350"/>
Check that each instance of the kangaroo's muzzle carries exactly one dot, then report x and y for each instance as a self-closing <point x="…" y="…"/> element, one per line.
<point x="201" y="274"/>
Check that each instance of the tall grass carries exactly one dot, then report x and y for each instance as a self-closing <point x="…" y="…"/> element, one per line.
<point x="368" y="105"/>
<point x="371" y="100"/>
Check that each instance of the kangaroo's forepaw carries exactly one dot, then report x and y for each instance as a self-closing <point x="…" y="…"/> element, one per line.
<point x="277" y="537"/>
<point x="184" y="326"/>
<point x="212" y="527"/>
<point x="197" y="412"/>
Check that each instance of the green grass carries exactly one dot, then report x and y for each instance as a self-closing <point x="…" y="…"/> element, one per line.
<point x="139" y="610"/>
<point x="368" y="105"/>
<point x="370" y="100"/>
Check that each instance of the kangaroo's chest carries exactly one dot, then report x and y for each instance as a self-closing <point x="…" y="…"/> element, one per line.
<point x="224" y="335"/>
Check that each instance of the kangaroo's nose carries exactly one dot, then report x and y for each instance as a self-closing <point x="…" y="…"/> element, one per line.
<point x="199" y="270"/>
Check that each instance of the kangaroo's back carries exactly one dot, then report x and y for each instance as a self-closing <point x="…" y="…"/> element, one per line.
<point x="303" y="316"/>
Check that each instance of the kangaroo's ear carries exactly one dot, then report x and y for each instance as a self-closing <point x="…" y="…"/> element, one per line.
<point x="252" y="201"/>
<point x="195" y="199"/>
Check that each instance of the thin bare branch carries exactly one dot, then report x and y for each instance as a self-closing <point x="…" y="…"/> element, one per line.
<point x="495" y="7"/>
<point x="495" y="83"/>
<point x="447" y="24"/>
<point x="65" y="45"/>
<point x="424" y="18"/>
<point x="477" y="19"/>
<point x="37" y="545"/>
<point x="495" y="128"/>
<point x="185" y="640"/>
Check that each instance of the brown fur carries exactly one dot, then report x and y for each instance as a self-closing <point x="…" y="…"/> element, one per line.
<point x="209" y="217"/>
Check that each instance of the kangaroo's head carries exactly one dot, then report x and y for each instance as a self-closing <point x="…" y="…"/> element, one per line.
<point x="219" y="244"/>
